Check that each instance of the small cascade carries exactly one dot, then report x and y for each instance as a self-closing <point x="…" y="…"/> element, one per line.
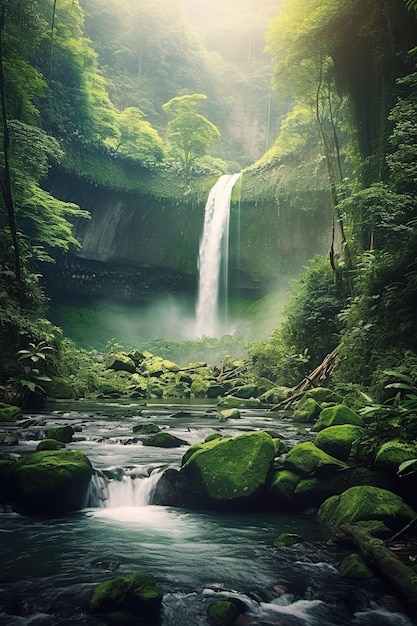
<point x="114" y="489"/>
<point x="212" y="253"/>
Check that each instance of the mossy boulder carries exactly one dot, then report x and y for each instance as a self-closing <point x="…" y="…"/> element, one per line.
<point x="287" y="539"/>
<point x="60" y="433"/>
<point x="279" y="445"/>
<point x="232" y="402"/>
<point x="214" y="390"/>
<point x="306" y="459"/>
<point x="137" y="594"/>
<point x="392" y="453"/>
<point x="50" y="444"/>
<point x="364" y="503"/>
<point x="148" y="428"/>
<point x="322" y="394"/>
<point x="354" y="567"/>
<point x="338" y="440"/>
<point x="281" y="490"/>
<point x="336" y="416"/>
<point x="230" y="469"/>
<point x="306" y="411"/>
<point x="247" y="392"/>
<point x="58" y="387"/>
<point x="8" y="412"/>
<point x="276" y="394"/>
<point x="228" y="414"/>
<point x="119" y="361"/>
<point x="50" y="482"/>
<point x="222" y="612"/>
<point x="164" y="440"/>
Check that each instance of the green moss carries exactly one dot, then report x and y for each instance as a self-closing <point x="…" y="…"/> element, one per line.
<point x="392" y="453"/>
<point x="306" y="459"/>
<point x="227" y="414"/>
<point x="137" y="593"/>
<point x="307" y="411"/>
<point x="146" y="429"/>
<point x="338" y="440"/>
<point x="287" y="539"/>
<point x="354" y="568"/>
<point x="283" y="486"/>
<point x="222" y="612"/>
<point x="60" y="433"/>
<point x="366" y="503"/>
<point x="8" y="413"/>
<point x="199" y="387"/>
<point x="50" y="444"/>
<point x="337" y="415"/>
<point x="231" y="402"/>
<point x="120" y="362"/>
<point x="164" y="440"/>
<point x="226" y="469"/>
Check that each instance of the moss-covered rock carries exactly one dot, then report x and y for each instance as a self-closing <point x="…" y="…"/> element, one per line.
<point x="280" y="446"/>
<point x="281" y="491"/>
<point x="119" y="361"/>
<point x="199" y="387"/>
<point x="322" y="394"/>
<point x="230" y="469"/>
<point x="337" y="415"/>
<point x="52" y="481"/>
<point x="60" y="433"/>
<point x="276" y="394"/>
<point x="306" y="411"/>
<point x="222" y="612"/>
<point x="58" y="387"/>
<point x="366" y="503"/>
<point x="306" y="459"/>
<point x="214" y="390"/>
<point x="247" y="392"/>
<point x="50" y="444"/>
<point x="229" y="414"/>
<point x="164" y="440"/>
<point x="231" y="402"/>
<point x="287" y="539"/>
<point x="338" y="440"/>
<point x="354" y="567"/>
<point x="148" y="428"/>
<point x="137" y="594"/>
<point x="8" y="412"/>
<point x="392" y="453"/>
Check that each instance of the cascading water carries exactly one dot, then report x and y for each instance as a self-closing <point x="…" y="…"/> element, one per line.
<point x="121" y="489"/>
<point x="211" y="254"/>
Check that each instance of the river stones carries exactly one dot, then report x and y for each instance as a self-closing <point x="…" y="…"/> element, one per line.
<point x="60" y="433"/>
<point x="337" y="415"/>
<point x="53" y="481"/>
<point x="8" y="412"/>
<point x="392" y="453"/>
<point x="222" y="612"/>
<point x="148" y="428"/>
<point x="306" y="459"/>
<point x="232" y="402"/>
<point x="229" y="469"/>
<point x="338" y="440"/>
<point x="50" y="444"/>
<point x="164" y="440"/>
<point x="137" y="594"/>
<point x="364" y="503"/>
<point x="228" y="414"/>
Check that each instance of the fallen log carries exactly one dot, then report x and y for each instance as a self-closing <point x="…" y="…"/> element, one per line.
<point x="376" y="553"/>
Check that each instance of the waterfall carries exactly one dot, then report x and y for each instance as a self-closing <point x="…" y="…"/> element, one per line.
<point x="211" y="254"/>
<point x="120" y="489"/>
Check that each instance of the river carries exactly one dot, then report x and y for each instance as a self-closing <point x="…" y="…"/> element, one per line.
<point x="50" y="565"/>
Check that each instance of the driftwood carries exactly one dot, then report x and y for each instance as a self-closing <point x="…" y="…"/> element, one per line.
<point x="315" y="379"/>
<point x="376" y="553"/>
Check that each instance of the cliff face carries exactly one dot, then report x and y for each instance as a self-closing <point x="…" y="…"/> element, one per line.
<point x="136" y="243"/>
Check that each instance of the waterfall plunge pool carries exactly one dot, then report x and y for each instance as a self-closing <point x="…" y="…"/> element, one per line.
<point x="50" y="565"/>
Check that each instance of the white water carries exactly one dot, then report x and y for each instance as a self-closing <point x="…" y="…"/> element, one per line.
<point x="215" y="233"/>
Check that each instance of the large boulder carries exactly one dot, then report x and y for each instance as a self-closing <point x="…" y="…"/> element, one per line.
<point x="50" y="482"/>
<point x="364" y="503"/>
<point x="338" y="440"/>
<point x="230" y="470"/>
<point x="282" y="488"/>
<point x="337" y="415"/>
<point x="119" y="361"/>
<point x="306" y="411"/>
<point x="137" y="594"/>
<point x="306" y="459"/>
<point x="247" y="392"/>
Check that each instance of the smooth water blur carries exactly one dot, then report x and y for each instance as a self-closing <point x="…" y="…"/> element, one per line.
<point x="50" y="565"/>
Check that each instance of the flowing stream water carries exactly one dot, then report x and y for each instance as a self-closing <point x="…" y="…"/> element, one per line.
<point x="213" y="250"/>
<point x="49" y="565"/>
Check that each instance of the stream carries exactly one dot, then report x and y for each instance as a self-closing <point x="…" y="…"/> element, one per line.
<point x="49" y="566"/>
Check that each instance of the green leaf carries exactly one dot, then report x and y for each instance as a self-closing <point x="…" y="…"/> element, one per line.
<point x="411" y="464"/>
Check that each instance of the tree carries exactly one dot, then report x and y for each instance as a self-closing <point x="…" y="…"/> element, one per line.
<point x="137" y="139"/>
<point x="189" y="132"/>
